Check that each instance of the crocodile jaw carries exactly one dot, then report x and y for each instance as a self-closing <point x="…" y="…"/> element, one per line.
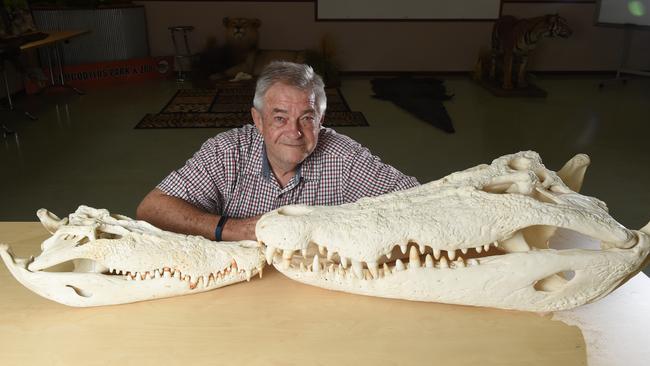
<point x="476" y="237"/>
<point x="119" y="260"/>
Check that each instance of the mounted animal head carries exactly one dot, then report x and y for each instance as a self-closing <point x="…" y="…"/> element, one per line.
<point x="487" y="236"/>
<point x="119" y="260"/>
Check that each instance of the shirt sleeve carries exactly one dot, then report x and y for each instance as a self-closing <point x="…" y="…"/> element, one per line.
<point x="197" y="182"/>
<point x="368" y="176"/>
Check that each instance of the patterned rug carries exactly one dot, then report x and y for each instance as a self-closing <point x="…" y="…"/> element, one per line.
<point x="229" y="106"/>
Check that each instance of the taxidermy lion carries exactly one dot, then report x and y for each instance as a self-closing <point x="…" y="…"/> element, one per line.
<point x="236" y="56"/>
<point x="242" y="36"/>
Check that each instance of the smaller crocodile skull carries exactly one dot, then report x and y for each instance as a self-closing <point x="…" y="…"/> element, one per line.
<point x="476" y="237"/>
<point x="119" y="260"/>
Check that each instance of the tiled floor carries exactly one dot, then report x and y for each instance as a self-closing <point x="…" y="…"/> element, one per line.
<point x="84" y="150"/>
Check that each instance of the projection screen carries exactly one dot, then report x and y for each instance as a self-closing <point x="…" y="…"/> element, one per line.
<point x="623" y="12"/>
<point x="407" y="9"/>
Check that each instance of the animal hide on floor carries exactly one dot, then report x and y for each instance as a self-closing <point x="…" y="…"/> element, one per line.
<point x="421" y="97"/>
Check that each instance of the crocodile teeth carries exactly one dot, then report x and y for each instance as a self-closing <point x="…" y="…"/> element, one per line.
<point x="443" y="263"/>
<point x="344" y="262"/>
<point x="451" y="254"/>
<point x="373" y="267"/>
<point x="436" y="254"/>
<point x="287" y="254"/>
<point x="428" y="261"/>
<point x="414" y="258"/>
<point x="269" y="253"/>
<point x="386" y="269"/>
<point x="315" y="265"/>
<point x="516" y="243"/>
<point x="367" y="275"/>
<point x="357" y="268"/>
<point x="330" y="255"/>
<point x="399" y="265"/>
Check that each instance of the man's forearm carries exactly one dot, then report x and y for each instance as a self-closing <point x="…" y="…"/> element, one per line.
<point x="174" y="214"/>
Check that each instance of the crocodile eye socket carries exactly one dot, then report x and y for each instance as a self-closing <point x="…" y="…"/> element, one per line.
<point x="295" y="210"/>
<point x="520" y="163"/>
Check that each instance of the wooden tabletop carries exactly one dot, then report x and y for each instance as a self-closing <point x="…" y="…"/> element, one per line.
<point x="54" y="37"/>
<point x="276" y="321"/>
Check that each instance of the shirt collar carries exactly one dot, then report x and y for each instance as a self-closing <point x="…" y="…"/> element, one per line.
<point x="266" y="167"/>
<point x="259" y="162"/>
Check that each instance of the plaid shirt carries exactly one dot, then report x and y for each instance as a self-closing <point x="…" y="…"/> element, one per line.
<point x="230" y="175"/>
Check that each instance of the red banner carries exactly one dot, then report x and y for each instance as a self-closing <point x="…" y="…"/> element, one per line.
<point x="103" y="73"/>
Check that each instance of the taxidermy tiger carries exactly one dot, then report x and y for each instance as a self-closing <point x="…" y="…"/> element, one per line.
<point x="513" y="39"/>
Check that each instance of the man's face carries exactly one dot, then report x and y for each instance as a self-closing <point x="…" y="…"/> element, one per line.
<point x="289" y="124"/>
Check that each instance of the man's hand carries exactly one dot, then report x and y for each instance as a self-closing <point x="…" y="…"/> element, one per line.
<point x="174" y="214"/>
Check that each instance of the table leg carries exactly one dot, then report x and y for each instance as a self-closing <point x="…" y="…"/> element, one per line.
<point x="6" y="131"/>
<point x="49" y="63"/>
<point x="58" y="63"/>
<point x="10" y="100"/>
<point x="59" y="60"/>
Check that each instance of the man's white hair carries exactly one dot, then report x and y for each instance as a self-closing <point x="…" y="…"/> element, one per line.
<point x="300" y="76"/>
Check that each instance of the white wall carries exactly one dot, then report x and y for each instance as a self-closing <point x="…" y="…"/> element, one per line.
<point x="397" y="45"/>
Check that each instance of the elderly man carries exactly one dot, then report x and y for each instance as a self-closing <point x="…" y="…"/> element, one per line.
<point x="286" y="158"/>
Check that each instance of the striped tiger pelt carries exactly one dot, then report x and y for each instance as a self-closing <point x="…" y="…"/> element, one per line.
<point x="513" y="39"/>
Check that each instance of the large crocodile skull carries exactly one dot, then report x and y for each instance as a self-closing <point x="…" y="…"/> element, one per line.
<point x="119" y="260"/>
<point x="477" y="237"/>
